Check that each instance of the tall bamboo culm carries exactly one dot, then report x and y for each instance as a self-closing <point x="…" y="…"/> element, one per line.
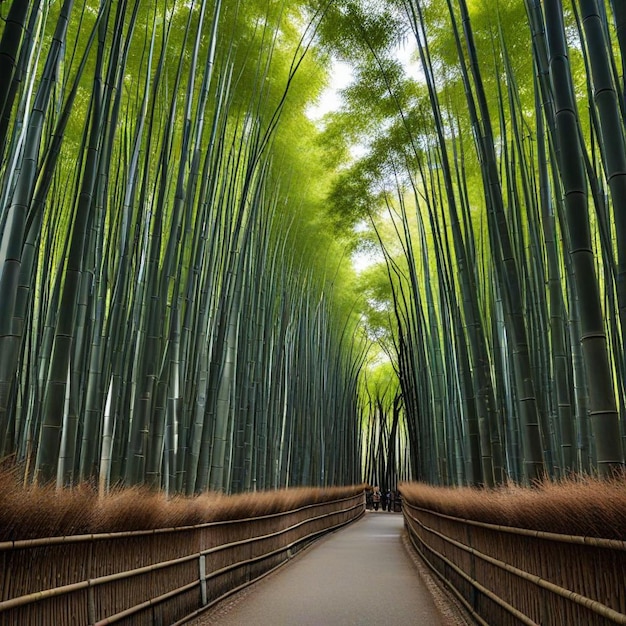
<point x="157" y="300"/>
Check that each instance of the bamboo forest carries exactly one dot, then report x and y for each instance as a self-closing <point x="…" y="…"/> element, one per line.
<point x="248" y="245"/>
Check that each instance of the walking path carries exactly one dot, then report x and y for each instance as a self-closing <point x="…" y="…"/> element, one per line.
<point x="361" y="575"/>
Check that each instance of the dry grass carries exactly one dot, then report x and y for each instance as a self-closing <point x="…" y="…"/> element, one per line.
<point x="576" y="506"/>
<point x="45" y="512"/>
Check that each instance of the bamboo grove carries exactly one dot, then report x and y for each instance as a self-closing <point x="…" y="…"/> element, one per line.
<point x="493" y="183"/>
<point x="175" y="309"/>
<point x="165" y="315"/>
<point x="386" y="443"/>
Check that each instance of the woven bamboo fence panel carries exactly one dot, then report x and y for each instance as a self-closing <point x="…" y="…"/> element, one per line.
<point x="156" y="577"/>
<point x="510" y="576"/>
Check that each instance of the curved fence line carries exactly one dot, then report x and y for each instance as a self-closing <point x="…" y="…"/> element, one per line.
<point x="45" y="541"/>
<point x="506" y="575"/>
<point x="148" y="577"/>
<point x="468" y="607"/>
<point x="612" y="544"/>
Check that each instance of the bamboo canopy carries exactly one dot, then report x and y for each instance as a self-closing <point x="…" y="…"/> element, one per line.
<point x="163" y="319"/>
<point x="490" y="182"/>
<point x="178" y="305"/>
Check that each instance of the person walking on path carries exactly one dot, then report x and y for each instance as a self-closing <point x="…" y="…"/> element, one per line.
<point x="376" y="498"/>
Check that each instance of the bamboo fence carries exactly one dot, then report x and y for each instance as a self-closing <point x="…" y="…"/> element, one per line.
<point x="510" y="576"/>
<point x="162" y="576"/>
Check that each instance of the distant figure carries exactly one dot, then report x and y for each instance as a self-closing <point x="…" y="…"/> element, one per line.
<point x="376" y="498"/>
<point x="384" y="499"/>
<point x="398" y="501"/>
<point x="389" y="500"/>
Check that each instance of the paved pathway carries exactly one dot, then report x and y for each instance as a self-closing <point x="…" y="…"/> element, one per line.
<point x="360" y="575"/>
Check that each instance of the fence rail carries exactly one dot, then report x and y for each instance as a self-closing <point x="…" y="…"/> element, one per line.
<point x="506" y="575"/>
<point x="154" y="577"/>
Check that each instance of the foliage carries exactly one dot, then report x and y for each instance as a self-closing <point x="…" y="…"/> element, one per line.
<point x="581" y="506"/>
<point x="46" y="512"/>
<point x="160" y="222"/>
<point x="494" y="198"/>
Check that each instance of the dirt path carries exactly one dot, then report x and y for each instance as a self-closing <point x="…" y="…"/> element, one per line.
<point x="361" y="575"/>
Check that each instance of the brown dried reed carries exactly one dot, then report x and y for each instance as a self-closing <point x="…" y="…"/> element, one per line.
<point x="43" y="511"/>
<point x="580" y="505"/>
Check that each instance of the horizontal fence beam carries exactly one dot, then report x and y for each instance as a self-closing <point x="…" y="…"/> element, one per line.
<point x="229" y="568"/>
<point x="235" y="563"/>
<point x="133" y="610"/>
<point x="49" y="541"/>
<point x="449" y="555"/>
<point x="505" y="605"/>
<point x="596" y="542"/>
